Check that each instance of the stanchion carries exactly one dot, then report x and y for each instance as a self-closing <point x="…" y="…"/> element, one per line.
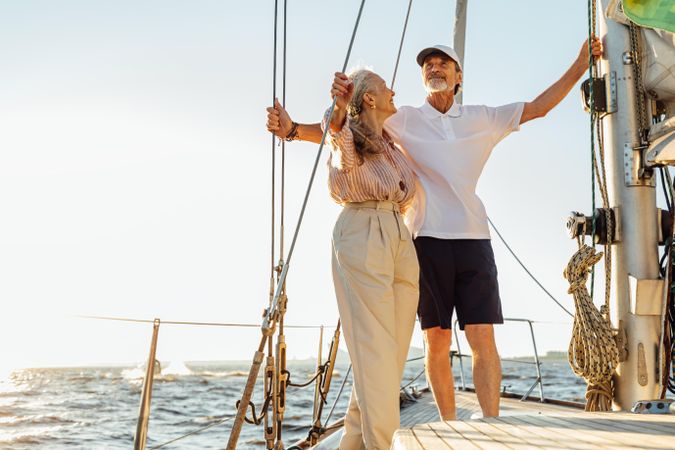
<point x="141" y="437"/>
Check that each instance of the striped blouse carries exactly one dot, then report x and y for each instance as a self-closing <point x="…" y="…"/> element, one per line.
<point x="382" y="176"/>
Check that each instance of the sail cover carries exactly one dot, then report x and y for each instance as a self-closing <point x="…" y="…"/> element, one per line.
<point x="651" y="13"/>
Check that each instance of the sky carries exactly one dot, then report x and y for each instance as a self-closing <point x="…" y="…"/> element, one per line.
<point x="135" y="168"/>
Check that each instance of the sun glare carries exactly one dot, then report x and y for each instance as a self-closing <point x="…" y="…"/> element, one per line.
<point x="6" y="384"/>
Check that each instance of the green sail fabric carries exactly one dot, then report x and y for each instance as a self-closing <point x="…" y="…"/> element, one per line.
<point x="651" y="13"/>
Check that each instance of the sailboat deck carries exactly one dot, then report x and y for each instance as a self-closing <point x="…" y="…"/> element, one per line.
<point x="529" y="425"/>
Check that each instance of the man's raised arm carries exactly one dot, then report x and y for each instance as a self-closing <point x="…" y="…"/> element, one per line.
<point x="548" y="99"/>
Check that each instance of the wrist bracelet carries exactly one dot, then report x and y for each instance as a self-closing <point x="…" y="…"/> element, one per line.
<point x="293" y="134"/>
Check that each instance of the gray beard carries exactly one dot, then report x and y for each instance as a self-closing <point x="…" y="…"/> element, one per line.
<point x="436" y="85"/>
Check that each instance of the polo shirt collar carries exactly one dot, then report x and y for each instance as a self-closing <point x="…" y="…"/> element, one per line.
<point x="432" y="113"/>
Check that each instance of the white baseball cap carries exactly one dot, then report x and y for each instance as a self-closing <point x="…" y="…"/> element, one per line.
<point x="448" y="51"/>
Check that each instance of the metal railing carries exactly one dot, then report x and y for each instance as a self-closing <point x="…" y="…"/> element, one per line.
<point x="537" y="363"/>
<point x="141" y="435"/>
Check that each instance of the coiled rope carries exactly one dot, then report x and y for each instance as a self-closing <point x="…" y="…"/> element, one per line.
<point x="592" y="352"/>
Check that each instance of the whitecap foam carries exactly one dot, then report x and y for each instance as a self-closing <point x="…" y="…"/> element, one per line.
<point x="176" y="368"/>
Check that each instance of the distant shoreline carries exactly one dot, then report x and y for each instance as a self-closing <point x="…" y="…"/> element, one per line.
<point x="342" y="360"/>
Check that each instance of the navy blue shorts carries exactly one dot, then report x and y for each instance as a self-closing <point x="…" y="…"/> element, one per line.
<point x="457" y="274"/>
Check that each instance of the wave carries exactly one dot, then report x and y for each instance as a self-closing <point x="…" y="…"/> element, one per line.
<point x="133" y="374"/>
<point x="83" y="378"/>
<point x="235" y="373"/>
<point x="507" y="376"/>
<point x="36" y="420"/>
<point x="188" y="398"/>
<point x="223" y="374"/>
<point x="176" y="368"/>
<point x="24" y="439"/>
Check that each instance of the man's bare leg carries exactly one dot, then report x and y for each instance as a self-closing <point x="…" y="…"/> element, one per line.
<point x="439" y="370"/>
<point x="487" y="369"/>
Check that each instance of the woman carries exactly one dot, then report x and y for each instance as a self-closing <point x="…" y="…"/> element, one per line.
<point x="375" y="268"/>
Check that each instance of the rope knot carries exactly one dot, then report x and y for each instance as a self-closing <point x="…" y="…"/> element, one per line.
<point x="592" y="352"/>
<point x="577" y="285"/>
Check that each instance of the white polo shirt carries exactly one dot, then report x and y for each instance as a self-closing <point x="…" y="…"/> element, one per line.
<point x="448" y="151"/>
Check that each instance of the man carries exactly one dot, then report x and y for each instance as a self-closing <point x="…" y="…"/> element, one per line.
<point x="448" y="145"/>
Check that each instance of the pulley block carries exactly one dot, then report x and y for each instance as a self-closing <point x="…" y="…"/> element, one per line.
<point x="599" y="95"/>
<point x="579" y="225"/>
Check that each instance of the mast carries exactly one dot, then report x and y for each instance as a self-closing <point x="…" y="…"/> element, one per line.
<point x="460" y="35"/>
<point x="638" y="291"/>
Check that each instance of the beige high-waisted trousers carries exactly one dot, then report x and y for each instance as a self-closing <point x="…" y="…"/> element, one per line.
<point x="376" y="278"/>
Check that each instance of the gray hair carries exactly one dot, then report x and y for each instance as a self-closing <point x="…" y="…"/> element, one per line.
<point x="366" y="141"/>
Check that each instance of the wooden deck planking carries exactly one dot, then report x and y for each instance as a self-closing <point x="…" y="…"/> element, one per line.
<point x="482" y="440"/>
<point x="487" y="428"/>
<point x="529" y="426"/>
<point x="531" y="440"/>
<point x="426" y="436"/>
<point x="559" y="428"/>
<point x="557" y="440"/>
<point x="632" y="426"/>
<point x="612" y="431"/>
<point x="448" y="438"/>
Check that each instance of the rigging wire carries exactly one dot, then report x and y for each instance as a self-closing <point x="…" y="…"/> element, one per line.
<point x="283" y="144"/>
<point x="199" y="430"/>
<point x="508" y="247"/>
<point x="669" y="329"/>
<point x="415" y="378"/>
<point x="275" y="313"/>
<point x="664" y="185"/>
<point x="601" y="173"/>
<point x="274" y="138"/>
<point x="284" y="272"/>
<point x="591" y="104"/>
<point x="400" y="46"/>
<point x="337" y="397"/>
<point x="593" y="353"/>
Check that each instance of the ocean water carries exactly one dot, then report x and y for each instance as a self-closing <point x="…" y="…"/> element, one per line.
<point x="97" y="407"/>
